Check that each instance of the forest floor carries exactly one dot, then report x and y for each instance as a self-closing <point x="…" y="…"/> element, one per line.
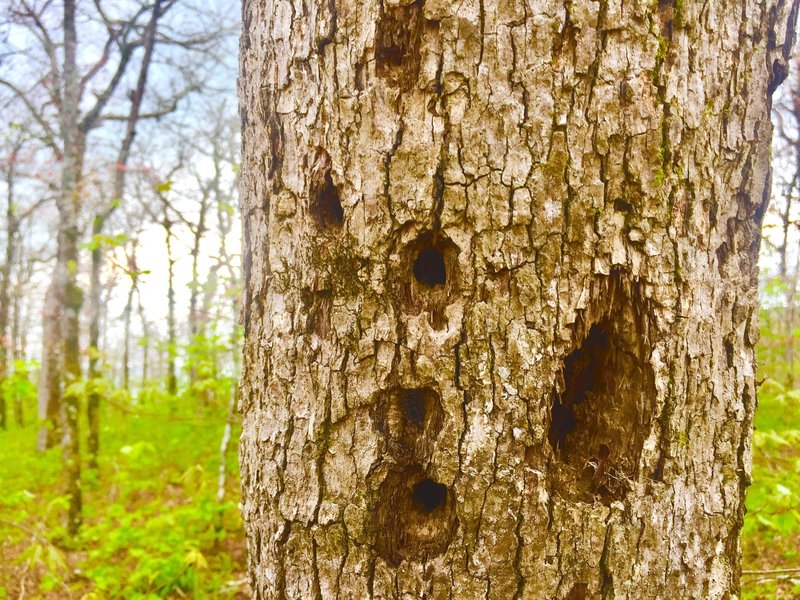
<point x="771" y="536"/>
<point x="153" y="527"/>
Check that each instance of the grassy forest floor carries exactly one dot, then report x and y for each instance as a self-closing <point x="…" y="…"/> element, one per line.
<point x="771" y="536"/>
<point x="154" y="529"/>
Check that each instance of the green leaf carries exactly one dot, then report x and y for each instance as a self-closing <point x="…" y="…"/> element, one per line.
<point x="766" y="522"/>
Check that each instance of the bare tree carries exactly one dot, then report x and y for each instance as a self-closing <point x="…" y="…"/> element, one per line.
<point x="98" y="225"/>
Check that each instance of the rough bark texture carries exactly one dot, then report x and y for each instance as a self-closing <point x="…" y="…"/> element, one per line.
<point x="500" y="292"/>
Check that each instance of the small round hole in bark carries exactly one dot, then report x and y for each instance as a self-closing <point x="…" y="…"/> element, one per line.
<point x="429" y="267"/>
<point x="622" y="206"/>
<point x="414" y="516"/>
<point x="412" y="403"/>
<point x="429" y="277"/>
<point x="429" y="495"/>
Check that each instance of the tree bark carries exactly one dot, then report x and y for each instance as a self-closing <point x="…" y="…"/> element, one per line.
<point x="66" y="294"/>
<point x="12" y="231"/>
<point x="500" y="265"/>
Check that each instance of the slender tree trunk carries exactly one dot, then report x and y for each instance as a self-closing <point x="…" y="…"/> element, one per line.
<point x="12" y="229"/>
<point x="100" y="219"/>
<point x="194" y="294"/>
<point x="790" y="281"/>
<point x="58" y="402"/>
<point x="19" y="328"/>
<point x="500" y="267"/>
<point x="229" y="420"/>
<point x="172" y="335"/>
<point x="223" y="229"/>
<point x="126" y="351"/>
<point x="145" y="339"/>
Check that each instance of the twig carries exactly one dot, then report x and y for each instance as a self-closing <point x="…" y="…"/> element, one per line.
<point x="771" y="571"/>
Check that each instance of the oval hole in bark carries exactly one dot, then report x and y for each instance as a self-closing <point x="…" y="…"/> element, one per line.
<point x="429" y="267"/>
<point x="429" y="276"/>
<point x="429" y="495"/>
<point x="622" y="206"/>
<point x="325" y="205"/>
<point x="578" y="592"/>
<point x="582" y="374"/>
<point x="328" y="208"/>
<point x="414" y="516"/>
<point x="410" y="420"/>
<point x="602" y="407"/>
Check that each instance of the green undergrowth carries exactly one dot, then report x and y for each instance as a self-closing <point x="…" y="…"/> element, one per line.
<point x="771" y="535"/>
<point x="153" y="527"/>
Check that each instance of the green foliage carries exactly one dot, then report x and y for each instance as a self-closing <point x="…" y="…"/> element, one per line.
<point x="207" y="385"/>
<point x="164" y="187"/>
<point x="100" y="240"/>
<point x="771" y="534"/>
<point x="153" y="527"/>
<point x="17" y="386"/>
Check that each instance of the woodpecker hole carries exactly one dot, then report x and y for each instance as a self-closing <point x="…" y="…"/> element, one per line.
<point x="429" y="268"/>
<point x="429" y="495"/>
<point x="623" y="206"/>
<point x="412" y="404"/>
<point x="414" y="517"/>
<point x="582" y="374"/>
<point x="397" y="43"/>
<point x="329" y="207"/>
<point x="603" y="402"/>
<point x="325" y="204"/>
<point x="410" y="420"/>
<point x="579" y="591"/>
<point x="432" y="278"/>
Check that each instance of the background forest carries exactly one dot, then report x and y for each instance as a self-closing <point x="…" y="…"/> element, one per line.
<point x="119" y="281"/>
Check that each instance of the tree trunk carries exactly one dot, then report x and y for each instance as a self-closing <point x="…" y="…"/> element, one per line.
<point x="58" y="402"/>
<point x="126" y="314"/>
<point x="98" y="224"/>
<point x="500" y="294"/>
<point x="12" y="230"/>
<point x="145" y="340"/>
<point x="194" y="286"/>
<point x="172" y="336"/>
